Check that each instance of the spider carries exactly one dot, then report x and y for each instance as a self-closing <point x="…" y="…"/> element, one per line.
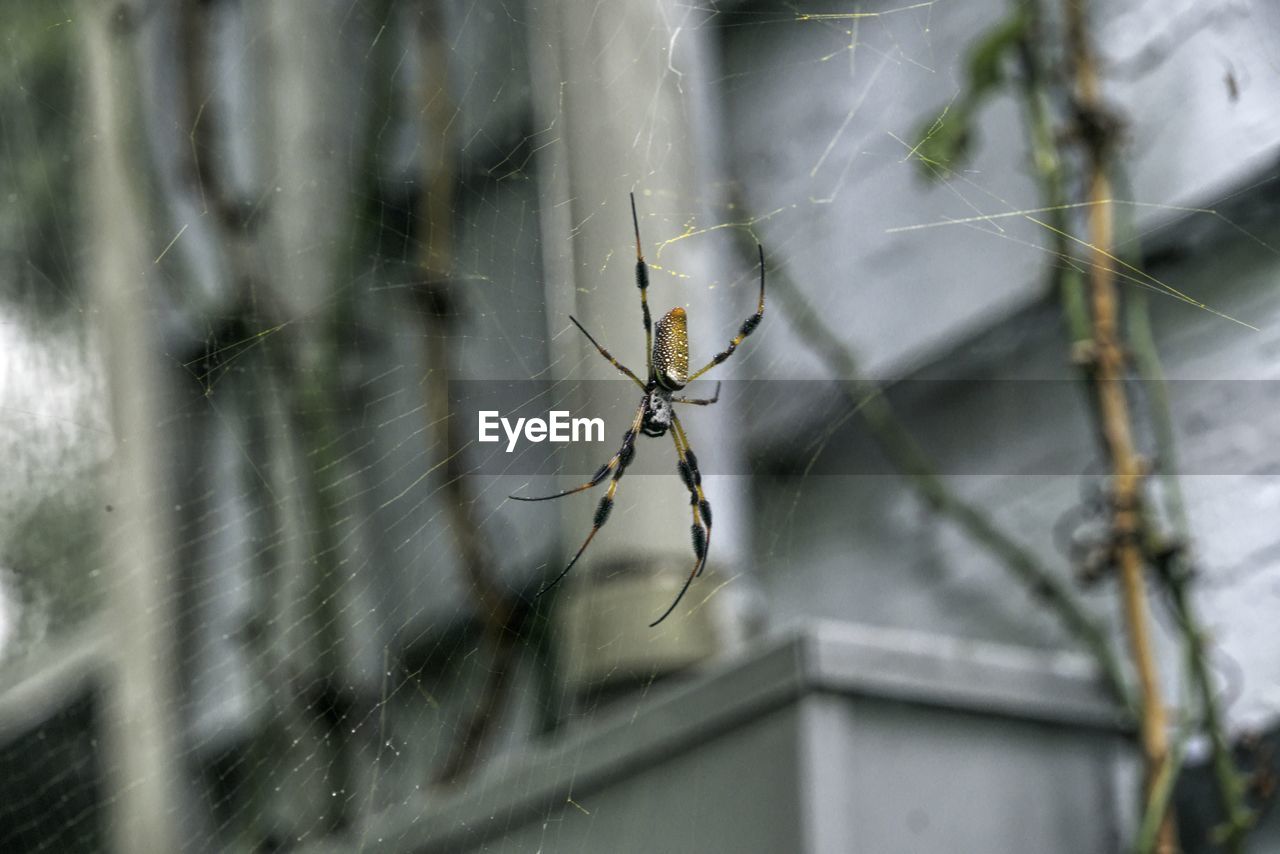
<point x="667" y="365"/>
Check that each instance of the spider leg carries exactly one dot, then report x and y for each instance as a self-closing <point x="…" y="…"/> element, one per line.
<point x="699" y="402"/>
<point x="748" y="326"/>
<point x="619" y="464"/>
<point x="642" y="282"/>
<point x="603" y="352"/>
<point x="701" y="510"/>
<point x="628" y="448"/>
<point x="623" y="458"/>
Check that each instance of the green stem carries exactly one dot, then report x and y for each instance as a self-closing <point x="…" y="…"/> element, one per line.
<point x="1049" y="164"/>
<point x="1157" y="806"/>
<point x="1230" y="784"/>
<point x="1177" y="580"/>
<point x="1150" y="370"/>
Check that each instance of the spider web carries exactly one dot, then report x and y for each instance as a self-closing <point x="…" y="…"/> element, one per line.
<point x="343" y="255"/>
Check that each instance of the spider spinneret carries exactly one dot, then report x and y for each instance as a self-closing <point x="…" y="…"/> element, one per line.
<point x="658" y="413"/>
<point x="667" y="363"/>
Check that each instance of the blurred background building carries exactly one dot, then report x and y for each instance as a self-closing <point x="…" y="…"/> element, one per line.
<point x="260" y="589"/>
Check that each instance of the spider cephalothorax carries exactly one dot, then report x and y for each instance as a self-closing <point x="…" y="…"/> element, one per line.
<point x="667" y="355"/>
<point x="658" y="413"/>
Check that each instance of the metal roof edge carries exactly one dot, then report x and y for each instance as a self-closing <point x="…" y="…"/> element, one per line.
<point x="818" y="656"/>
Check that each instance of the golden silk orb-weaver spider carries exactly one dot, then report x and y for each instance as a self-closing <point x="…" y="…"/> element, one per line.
<point x="667" y="366"/>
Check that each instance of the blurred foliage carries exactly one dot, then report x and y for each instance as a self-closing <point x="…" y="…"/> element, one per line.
<point x="945" y="142"/>
<point x="52" y="558"/>
<point x="48" y="534"/>
<point x="38" y="107"/>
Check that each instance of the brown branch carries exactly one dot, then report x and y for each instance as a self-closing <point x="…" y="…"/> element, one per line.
<point x="1109" y="363"/>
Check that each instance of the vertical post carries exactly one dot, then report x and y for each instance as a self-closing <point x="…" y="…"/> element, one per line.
<point x="604" y="76"/>
<point x="141" y="701"/>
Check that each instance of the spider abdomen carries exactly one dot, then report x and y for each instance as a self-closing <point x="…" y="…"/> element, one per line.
<point x="671" y="350"/>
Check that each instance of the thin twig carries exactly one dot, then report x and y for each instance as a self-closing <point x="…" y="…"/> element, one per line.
<point x="1146" y="358"/>
<point x="1178" y="577"/>
<point x="1051" y="173"/>
<point x="1229" y="783"/>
